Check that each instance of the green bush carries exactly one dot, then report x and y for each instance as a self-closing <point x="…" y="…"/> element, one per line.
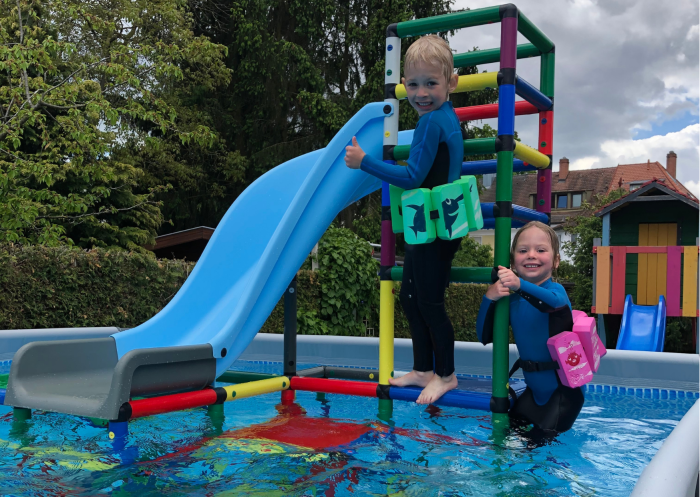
<point x="66" y="287"/>
<point x="42" y="287"/>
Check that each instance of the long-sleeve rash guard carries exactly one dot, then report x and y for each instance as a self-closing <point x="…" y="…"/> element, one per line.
<point x="530" y="321"/>
<point x="437" y="134"/>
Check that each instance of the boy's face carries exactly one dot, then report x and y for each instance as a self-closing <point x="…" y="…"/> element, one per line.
<point x="426" y="86"/>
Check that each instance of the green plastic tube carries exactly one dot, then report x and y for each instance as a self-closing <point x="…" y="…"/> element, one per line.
<point x="493" y="55"/>
<point x="457" y="274"/>
<point x="476" y="146"/>
<point x="448" y="22"/>
<point x="504" y="192"/>
<point x="533" y="34"/>
<point x="547" y="74"/>
<point x="480" y="146"/>
<point x="243" y="377"/>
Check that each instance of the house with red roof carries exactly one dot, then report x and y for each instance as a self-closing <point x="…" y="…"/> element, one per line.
<point x="570" y="189"/>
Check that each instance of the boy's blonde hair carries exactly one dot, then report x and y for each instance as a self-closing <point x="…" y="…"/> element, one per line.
<point x="553" y="239"/>
<point x="432" y="50"/>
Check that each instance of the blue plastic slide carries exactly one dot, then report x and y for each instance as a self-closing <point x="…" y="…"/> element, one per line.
<point x="260" y="244"/>
<point x="643" y="326"/>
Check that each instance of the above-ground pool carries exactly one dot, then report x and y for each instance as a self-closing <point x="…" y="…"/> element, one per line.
<point x="338" y="445"/>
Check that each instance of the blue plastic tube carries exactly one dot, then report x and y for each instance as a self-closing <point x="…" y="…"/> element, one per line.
<point x="489" y="167"/>
<point x="528" y="92"/>
<point x="519" y="213"/>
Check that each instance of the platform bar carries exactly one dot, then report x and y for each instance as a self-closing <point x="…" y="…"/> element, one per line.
<point x="489" y="167"/>
<point x="491" y="55"/>
<point x="235" y="392"/>
<point x="449" y="22"/>
<point x="531" y="94"/>
<point x="490" y="111"/>
<point x="346" y="387"/>
<point x="352" y="373"/>
<point x="533" y="34"/>
<point x="457" y="274"/>
<point x="244" y="377"/>
<point x="170" y="403"/>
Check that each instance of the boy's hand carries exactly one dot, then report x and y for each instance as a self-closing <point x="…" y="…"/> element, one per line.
<point x="508" y="278"/>
<point x="354" y="155"/>
<point x="497" y="291"/>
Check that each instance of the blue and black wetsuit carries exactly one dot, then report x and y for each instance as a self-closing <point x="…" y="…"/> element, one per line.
<point x="536" y="314"/>
<point x="435" y="159"/>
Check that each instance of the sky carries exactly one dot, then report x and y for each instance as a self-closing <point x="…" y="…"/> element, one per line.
<point x="626" y="79"/>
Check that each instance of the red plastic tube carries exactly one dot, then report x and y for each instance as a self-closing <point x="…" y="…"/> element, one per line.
<point x="170" y="403"/>
<point x="361" y="388"/>
<point x="489" y="111"/>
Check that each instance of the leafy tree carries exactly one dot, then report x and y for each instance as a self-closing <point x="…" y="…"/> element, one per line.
<point x="348" y="280"/>
<point x="74" y="79"/>
<point x="473" y="254"/>
<point x="586" y="227"/>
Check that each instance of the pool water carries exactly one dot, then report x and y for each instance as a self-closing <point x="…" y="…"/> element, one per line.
<point x="334" y="445"/>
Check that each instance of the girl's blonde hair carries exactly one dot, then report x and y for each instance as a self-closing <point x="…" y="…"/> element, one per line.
<point x="553" y="239"/>
<point x="433" y="50"/>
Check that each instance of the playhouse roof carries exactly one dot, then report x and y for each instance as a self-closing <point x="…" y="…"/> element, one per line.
<point x="646" y="194"/>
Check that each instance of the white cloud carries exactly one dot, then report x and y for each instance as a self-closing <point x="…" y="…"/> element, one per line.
<point x="589" y="162"/>
<point x="694" y="187"/>
<point x="684" y="143"/>
<point x="621" y="66"/>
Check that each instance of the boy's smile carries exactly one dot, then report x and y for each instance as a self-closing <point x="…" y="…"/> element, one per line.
<point x="533" y="257"/>
<point x="426" y="87"/>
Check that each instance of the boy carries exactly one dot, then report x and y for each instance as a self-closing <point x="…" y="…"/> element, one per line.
<point x="435" y="159"/>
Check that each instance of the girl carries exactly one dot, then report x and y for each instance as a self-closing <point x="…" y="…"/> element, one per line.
<point x="539" y="309"/>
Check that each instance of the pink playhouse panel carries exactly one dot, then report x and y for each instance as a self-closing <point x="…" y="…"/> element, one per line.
<point x="673" y="281"/>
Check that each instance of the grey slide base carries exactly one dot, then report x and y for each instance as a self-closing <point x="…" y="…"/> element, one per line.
<point x="86" y="378"/>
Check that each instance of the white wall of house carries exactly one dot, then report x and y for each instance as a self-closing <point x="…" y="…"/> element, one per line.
<point x="563" y="237"/>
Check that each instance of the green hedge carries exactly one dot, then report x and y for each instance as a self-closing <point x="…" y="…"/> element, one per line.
<point x="64" y="287"/>
<point x="461" y="300"/>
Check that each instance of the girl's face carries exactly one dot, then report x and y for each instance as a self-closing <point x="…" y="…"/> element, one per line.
<point x="533" y="258"/>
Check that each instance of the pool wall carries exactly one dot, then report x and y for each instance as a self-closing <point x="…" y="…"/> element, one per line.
<point x="673" y="472"/>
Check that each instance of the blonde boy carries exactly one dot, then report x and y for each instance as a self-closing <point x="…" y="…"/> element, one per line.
<point x="435" y="159"/>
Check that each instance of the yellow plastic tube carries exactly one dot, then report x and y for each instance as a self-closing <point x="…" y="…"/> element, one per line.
<point x="386" y="331"/>
<point x="470" y="82"/>
<point x="234" y="392"/>
<point x="530" y="155"/>
<point x="474" y="82"/>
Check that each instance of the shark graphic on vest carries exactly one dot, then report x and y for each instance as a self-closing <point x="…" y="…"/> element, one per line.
<point x="418" y="219"/>
<point x="449" y="211"/>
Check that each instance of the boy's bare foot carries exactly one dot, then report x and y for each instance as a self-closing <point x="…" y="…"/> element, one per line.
<point x="417" y="378"/>
<point x="436" y="388"/>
